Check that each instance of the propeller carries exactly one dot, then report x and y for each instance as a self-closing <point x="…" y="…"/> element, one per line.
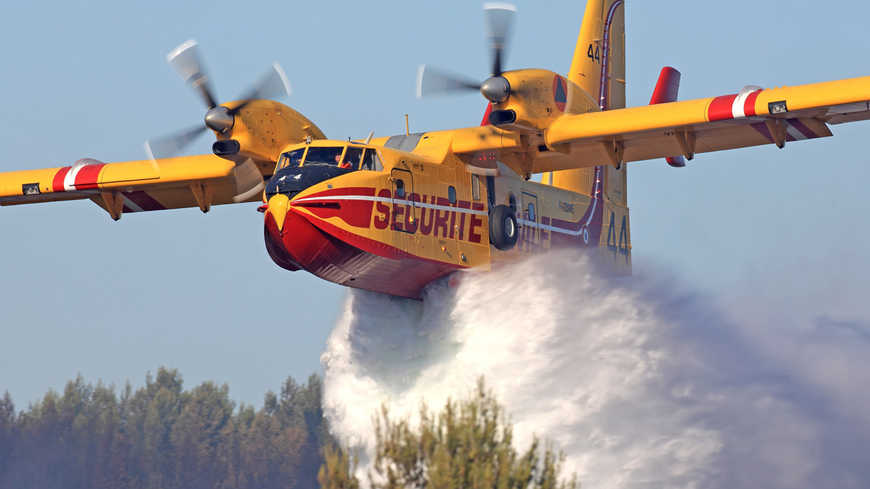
<point x="185" y="59"/>
<point x="433" y="81"/>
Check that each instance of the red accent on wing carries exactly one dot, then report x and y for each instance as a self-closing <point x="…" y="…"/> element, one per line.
<point x="749" y="106"/>
<point x="57" y="182"/>
<point x="676" y="161"/>
<point x="806" y="131"/>
<point x="667" y="90"/>
<point x="86" y="178"/>
<point x="721" y="108"/>
<point x="145" y="201"/>
<point x="667" y="87"/>
<point x="485" y="121"/>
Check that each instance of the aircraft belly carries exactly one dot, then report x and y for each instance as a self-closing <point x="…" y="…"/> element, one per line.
<point x="345" y="258"/>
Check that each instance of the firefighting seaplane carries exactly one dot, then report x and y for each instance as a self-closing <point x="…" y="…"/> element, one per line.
<point x="392" y="214"/>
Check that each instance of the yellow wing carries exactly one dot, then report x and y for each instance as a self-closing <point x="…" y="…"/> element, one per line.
<point x="750" y="118"/>
<point x="136" y="186"/>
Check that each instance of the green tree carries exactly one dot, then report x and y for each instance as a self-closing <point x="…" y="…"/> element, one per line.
<point x="7" y="431"/>
<point x="468" y="444"/>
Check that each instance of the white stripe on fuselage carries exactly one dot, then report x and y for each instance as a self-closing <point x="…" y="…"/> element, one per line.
<point x="387" y="200"/>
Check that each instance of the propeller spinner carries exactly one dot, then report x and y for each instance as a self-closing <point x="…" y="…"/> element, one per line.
<point x="499" y="19"/>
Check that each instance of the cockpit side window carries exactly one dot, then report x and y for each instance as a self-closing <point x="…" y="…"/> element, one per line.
<point x="352" y="158"/>
<point x="291" y="158"/>
<point x="323" y="155"/>
<point x="371" y="161"/>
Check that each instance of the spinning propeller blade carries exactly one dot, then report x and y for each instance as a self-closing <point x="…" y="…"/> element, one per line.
<point x="185" y="59"/>
<point x="499" y="19"/>
<point x="432" y="81"/>
<point x="273" y="84"/>
<point x="172" y="144"/>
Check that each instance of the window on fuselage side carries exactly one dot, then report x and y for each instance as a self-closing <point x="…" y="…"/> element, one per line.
<point x="291" y="158"/>
<point x="371" y="161"/>
<point x="324" y="155"/>
<point x="352" y="158"/>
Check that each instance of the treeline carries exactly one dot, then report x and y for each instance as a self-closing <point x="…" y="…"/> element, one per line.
<point x="162" y="436"/>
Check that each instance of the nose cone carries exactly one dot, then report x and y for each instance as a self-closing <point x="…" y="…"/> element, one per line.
<point x="219" y="119"/>
<point x="277" y="208"/>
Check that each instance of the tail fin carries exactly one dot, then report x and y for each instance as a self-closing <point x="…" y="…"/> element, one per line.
<point x="598" y="67"/>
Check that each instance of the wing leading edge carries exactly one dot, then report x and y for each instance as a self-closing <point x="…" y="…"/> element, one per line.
<point x="136" y="186"/>
<point x="750" y="118"/>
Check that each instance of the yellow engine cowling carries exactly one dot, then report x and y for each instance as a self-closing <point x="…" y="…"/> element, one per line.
<point x="262" y="129"/>
<point x="537" y="97"/>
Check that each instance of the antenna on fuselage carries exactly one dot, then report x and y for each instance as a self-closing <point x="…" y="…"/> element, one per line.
<point x="407" y="126"/>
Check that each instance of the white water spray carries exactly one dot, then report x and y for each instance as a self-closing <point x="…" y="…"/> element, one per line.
<point x="641" y="386"/>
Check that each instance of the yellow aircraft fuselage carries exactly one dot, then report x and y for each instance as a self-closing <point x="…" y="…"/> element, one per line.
<point x="394" y="220"/>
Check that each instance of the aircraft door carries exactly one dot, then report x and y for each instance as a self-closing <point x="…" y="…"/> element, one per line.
<point x="530" y="234"/>
<point x="404" y="216"/>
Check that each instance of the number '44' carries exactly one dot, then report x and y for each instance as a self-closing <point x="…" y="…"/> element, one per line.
<point x="594" y="53"/>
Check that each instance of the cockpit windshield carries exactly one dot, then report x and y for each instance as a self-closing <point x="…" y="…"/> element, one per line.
<point x="291" y="158"/>
<point x="344" y="157"/>
<point x="323" y="155"/>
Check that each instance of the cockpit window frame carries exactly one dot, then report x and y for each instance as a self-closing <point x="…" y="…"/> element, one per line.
<point x="346" y="152"/>
<point x="280" y="166"/>
<point x="377" y="162"/>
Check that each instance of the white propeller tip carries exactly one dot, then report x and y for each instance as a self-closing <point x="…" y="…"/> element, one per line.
<point x="499" y="6"/>
<point x="151" y="156"/>
<point x="189" y="44"/>
<point x="283" y="76"/>
<point x="420" y="70"/>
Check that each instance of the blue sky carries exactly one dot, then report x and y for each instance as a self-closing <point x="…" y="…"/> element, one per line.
<point x="82" y="294"/>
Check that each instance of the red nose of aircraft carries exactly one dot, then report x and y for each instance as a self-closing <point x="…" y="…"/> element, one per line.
<point x="294" y="243"/>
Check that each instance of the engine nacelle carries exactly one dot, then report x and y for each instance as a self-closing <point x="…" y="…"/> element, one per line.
<point x="536" y="98"/>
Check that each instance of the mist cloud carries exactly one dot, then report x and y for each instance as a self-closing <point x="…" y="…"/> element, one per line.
<point x="640" y="381"/>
